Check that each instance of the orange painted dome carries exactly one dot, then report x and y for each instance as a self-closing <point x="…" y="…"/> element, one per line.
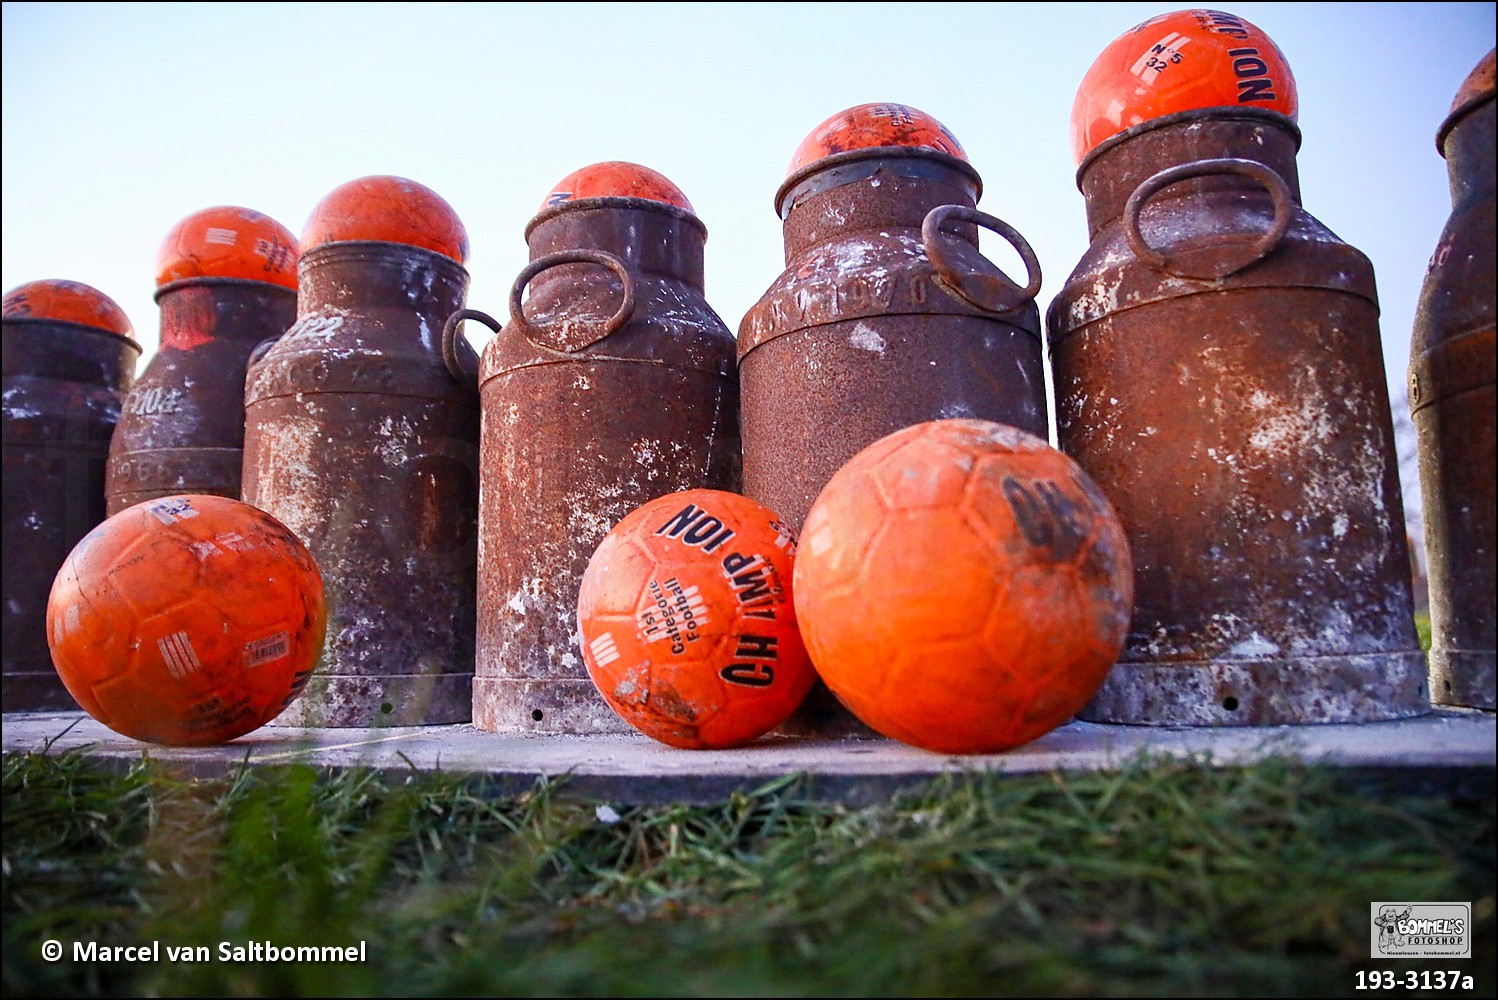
<point x="1182" y="61"/>
<point x="616" y="179"/>
<point x="67" y="302"/>
<point x="389" y="209"/>
<point x="870" y="126"/>
<point x="228" y="242"/>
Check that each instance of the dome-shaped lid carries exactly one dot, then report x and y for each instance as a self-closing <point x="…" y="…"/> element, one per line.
<point x="228" y="242"/>
<point x="870" y="126"/>
<point x="1475" y="89"/>
<point x="616" y="179"/>
<point x="389" y="209"/>
<point x="66" y="301"/>
<point x="1181" y="61"/>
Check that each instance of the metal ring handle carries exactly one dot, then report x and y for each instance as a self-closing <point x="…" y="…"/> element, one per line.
<point x="261" y="349"/>
<point x="601" y="258"/>
<point x="989" y="292"/>
<point x="1279" y="192"/>
<point x="450" y="343"/>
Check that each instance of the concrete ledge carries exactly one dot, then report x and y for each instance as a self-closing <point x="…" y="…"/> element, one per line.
<point x="1453" y="749"/>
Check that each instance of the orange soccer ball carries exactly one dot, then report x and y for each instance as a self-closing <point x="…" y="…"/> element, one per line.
<point x="688" y="624"/>
<point x="187" y="620"/>
<point x="963" y="586"/>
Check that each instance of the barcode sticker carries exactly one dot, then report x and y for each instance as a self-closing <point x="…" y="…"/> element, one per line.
<point x="264" y="650"/>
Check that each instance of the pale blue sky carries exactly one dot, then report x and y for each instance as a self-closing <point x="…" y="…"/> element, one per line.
<point x="120" y="119"/>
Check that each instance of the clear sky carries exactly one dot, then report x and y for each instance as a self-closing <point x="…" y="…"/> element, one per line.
<point x="120" y="119"/>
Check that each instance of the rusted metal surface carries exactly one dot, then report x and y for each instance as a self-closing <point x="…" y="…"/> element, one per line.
<point x="361" y="442"/>
<point x="182" y="428"/>
<point x="1218" y="373"/>
<point x="64" y="384"/>
<point x="611" y="385"/>
<point x="886" y="316"/>
<point x="876" y="325"/>
<point x="1451" y="390"/>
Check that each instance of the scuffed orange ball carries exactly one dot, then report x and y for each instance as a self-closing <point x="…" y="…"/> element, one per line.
<point x="1181" y="61"/>
<point x="870" y="126"/>
<point x="688" y="622"/>
<point x="61" y="301"/>
<point x="962" y="586"/>
<point x="388" y="209"/>
<point x="188" y="620"/>
<point x="616" y="179"/>
<point x="228" y="242"/>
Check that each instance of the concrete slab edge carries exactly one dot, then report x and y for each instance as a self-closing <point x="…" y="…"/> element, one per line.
<point x="1451" y="751"/>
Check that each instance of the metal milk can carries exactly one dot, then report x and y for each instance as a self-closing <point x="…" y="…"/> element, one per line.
<point x="361" y="441"/>
<point x="226" y="283"/>
<point x="69" y="359"/>
<point x="613" y="383"/>
<point x="1451" y="400"/>
<point x="1219" y="374"/>
<point x="886" y="314"/>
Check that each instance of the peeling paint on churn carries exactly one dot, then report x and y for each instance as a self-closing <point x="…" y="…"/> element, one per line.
<point x="1452" y="360"/>
<point x="612" y="384"/>
<point x="362" y="437"/>
<point x="886" y="316"/>
<point x="225" y="282"/>
<point x="69" y="359"/>
<point x="1219" y="374"/>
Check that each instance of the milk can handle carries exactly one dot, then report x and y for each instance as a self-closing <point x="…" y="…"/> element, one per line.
<point x="1284" y="213"/>
<point x="578" y="256"/>
<point x="990" y="292"/>
<point x="450" y="344"/>
<point x="261" y="349"/>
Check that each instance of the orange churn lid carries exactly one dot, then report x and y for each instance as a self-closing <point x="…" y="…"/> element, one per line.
<point x="66" y="301"/>
<point x="879" y="130"/>
<point x="391" y="210"/>
<point x="228" y="242"/>
<point x="616" y="179"/>
<point x="1182" y="61"/>
<point x="869" y="126"/>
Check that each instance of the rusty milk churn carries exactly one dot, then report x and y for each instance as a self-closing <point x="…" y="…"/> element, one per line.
<point x="225" y="282"/>
<point x="1219" y="374"/>
<point x="1451" y="399"/>
<point x="69" y="359"/>
<point x="360" y="440"/>
<point x="613" y="383"/>
<point x="886" y="314"/>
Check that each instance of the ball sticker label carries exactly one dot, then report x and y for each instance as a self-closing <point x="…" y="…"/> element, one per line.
<point x="278" y="256"/>
<point x="265" y="650"/>
<point x="753" y="647"/>
<point x="604" y="649"/>
<point x="1160" y="56"/>
<point x="696" y="527"/>
<point x="176" y="650"/>
<point x="169" y="511"/>
<point x="233" y="541"/>
<point x="1221" y="23"/>
<point x="677" y="614"/>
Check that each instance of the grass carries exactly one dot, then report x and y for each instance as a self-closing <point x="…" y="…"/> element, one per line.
<point x="1165" y="879"/>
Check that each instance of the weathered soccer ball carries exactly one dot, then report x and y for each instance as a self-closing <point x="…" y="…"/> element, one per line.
<point x="962" y="586"/>
<point x="688" y="622"/>
<point x="187" y="620"/>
